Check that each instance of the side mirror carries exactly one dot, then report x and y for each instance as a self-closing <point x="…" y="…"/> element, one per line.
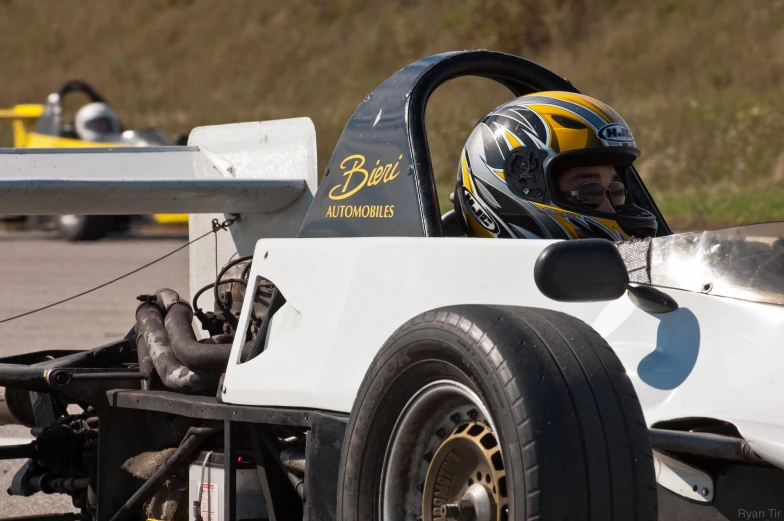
<point x="582" y="270"/>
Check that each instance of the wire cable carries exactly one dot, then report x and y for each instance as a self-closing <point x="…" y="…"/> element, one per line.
<point x="216" y="226"/>
<point x="201" y="291"/>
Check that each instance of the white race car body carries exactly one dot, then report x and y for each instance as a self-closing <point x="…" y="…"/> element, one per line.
<point x="714" y="357"/>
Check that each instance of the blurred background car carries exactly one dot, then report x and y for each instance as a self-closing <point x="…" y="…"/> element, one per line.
<point x="94" y="124"/>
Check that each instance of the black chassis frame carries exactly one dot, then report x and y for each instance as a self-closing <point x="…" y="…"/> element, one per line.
<point x="100" y="378"/>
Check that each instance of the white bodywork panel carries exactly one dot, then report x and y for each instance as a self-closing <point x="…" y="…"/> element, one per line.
<point x="713" y="357"/>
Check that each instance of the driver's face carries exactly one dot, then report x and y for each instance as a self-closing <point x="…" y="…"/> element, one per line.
<point x="575" y="177"/>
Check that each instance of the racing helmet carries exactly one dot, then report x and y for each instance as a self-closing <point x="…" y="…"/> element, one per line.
<point x="95" y="121"/>
<point x="509" y="172"/>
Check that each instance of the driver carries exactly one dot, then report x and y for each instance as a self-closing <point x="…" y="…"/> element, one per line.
<point x="97" y="122"/>
<point x="553" y="165"/>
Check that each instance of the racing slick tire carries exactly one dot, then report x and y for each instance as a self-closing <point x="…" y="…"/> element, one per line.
<point x="496" y="413"/>
<point x="84" y="227"/>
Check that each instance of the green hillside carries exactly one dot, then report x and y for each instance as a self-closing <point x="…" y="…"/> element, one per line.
<point x="700" y="82"/>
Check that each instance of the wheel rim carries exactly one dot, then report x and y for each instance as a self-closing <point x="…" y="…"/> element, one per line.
<point x="467" y="473"/>
<point x="442" y="423"/>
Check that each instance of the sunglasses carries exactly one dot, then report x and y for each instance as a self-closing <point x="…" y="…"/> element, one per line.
<point x="592" y="194"/>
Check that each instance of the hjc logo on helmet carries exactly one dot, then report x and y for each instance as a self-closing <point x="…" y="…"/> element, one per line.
<point x="481" y="215"/>
<point x="616" y="132"/>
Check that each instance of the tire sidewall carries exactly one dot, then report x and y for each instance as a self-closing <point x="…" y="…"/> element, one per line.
<point x="420" y="355"/>
<point x="83" y="227"/>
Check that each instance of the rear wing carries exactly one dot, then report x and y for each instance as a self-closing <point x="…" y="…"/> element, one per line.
<point x="254" y="168"/>
<point x="264" y="171"/>
<point x="23" y="119"/>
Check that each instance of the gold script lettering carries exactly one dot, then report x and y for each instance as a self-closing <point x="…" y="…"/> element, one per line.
<point x="359" y="161"/>
<point x="357" y="177"/>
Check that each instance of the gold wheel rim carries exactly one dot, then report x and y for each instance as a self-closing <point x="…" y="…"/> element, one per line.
<point x="468" y="456"/>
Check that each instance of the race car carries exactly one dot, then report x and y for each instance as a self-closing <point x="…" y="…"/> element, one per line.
<point x="364" y="356"/>
<point x="42" y="126"/>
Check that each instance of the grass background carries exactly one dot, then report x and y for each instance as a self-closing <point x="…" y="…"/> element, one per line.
<point x="700" y="82"/>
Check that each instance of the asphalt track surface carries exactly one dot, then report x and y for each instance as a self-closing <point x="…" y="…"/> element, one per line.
<point x="35" y="270"/>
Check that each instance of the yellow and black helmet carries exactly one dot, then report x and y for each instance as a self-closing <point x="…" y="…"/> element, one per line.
<point x="507" y="180"/>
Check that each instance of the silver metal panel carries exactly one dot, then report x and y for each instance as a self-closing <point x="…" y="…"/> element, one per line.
<point x="133" y="180"/>
<point x="744" y="262"/>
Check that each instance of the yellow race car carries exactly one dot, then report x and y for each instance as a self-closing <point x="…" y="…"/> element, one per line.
<point x="94" y="125"/>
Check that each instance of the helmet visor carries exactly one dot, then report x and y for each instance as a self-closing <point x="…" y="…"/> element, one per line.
<point x="101" y="125"/>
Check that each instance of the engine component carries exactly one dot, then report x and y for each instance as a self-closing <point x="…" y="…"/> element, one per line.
<point x="229" y="291"/>
<point x="228" y="316"/>
<point x="32" y="478"/>
<point x="293" y="458"/>
<point x="193" y="354"/>
<point x="49" y="484"/>
<point x="153" y="341"/>
<point x="57" y="447"/>
<point x="56" y="461"/>
<point x="297" y="483"/>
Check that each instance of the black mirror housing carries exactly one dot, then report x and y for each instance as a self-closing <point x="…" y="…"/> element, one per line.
<point x="582" y="270"/>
